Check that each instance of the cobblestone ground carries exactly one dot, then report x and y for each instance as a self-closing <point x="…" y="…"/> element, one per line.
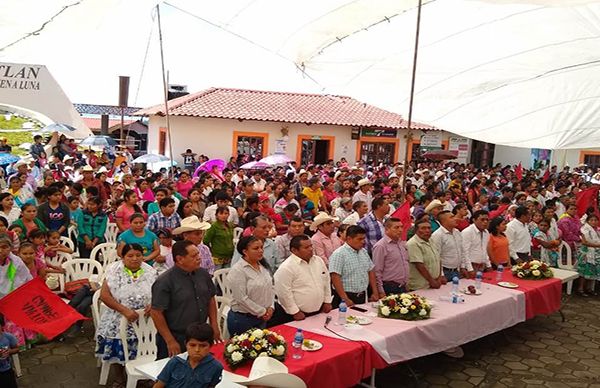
<point x="543" y="352"/>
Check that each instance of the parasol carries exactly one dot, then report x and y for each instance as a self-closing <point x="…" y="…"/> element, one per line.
<point x="150" y="158"/>
<point x="209" y="165"/>
<point x="62" y="128"/>
<point x="6" y="158"/>
<point x="256" y="165"/>
<point x="98" y="141"/>
<point x="276" y="159"/>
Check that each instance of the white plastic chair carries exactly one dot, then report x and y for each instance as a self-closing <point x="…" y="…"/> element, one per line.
<point x="237" y="232"/>
<point x="220" y="278"/>
<point x="95" y="307"/>
<point x="110" y="235"/>
<point x="223" y="307"/>
<point x="68" y="242"/>
<point x="17" y="364"/>
<point x="60" y="258"/>
<point x="105" y="253"/>
<point x="145" y="331"/>
<point x="569" y="263"/>
<point x="73" y="233"/>
<point x="77" y="269"/>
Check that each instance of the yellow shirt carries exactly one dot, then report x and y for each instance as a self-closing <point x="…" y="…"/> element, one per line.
<point x="313" y="195"/>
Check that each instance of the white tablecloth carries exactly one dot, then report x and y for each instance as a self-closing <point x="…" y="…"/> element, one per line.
<point x="450" y="324"/>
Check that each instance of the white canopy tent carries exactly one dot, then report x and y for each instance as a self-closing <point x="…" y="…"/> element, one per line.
<point x="513" y="72"/>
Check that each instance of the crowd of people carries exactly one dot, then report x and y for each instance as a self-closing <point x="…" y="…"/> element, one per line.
<point x="294" y="240"/>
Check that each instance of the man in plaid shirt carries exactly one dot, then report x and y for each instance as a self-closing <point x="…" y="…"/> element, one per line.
<point x="166" y="218"/>
<point x="372" y="223"/>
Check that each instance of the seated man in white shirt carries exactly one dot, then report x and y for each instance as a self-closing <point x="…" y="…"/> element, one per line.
<point x="221" y="200"/>
<point x="475" y="240"/>
<point x="302" y="284"/>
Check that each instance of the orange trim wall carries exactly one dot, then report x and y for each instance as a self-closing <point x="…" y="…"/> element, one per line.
<point x="584" y="153"/>
<point x="375" y="139"/>
<point x="330" y="151"/>
<point x="263" y="135"/>
<point x="412" y="143"/>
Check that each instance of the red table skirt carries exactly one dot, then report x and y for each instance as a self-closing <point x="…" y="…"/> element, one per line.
<point x="542" y="297"/>
<point x="340" y="363"/>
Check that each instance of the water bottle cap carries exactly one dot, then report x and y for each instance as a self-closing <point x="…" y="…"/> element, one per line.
<point x="455" y="279"/>
<point x="299" y="330"/>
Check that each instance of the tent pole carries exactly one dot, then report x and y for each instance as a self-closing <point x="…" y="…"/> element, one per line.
<point x="409" y="134"/>
<point x="165" y="89"/>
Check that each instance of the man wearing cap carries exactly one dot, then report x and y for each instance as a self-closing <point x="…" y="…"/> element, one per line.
<point x="372" y="223"/>
<point x="325" y="241"/>
<point x="344" y="209"/>
<point x="447" y="240"/>
<point x="221" y="200"/>
<point x="192" y="229"/>
<point x="302" y="182"/>
<point x="182" y="295"/>
<point x="302" y="283"/>
<point x="352" y="271"/>
<point x="364" y="192"/>
<point x="282" y="242"/>
<point x="22" y="169"/>
<point x="433" y="209"/>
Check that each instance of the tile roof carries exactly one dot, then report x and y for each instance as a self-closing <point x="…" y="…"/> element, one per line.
<point x="96" y="123"/>
<point x="281" y="107"/>
<point x="104" y="109"/>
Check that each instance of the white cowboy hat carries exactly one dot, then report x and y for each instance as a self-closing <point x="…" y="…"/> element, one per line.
<point x="20" y="163"/>
<point x="67" y="157"/>
<point x="302" y="171"/>
<point x="269" y="372"/>
<point x="87" y="168"/>
<point x="364" y="182"/>
<point x="433" y="204"/>
<point x="322" y="217"/>
<point x="102" y="170"/>
<point x="191" y="223"/>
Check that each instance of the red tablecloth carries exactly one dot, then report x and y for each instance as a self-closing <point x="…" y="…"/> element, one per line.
<point x="542" y="297"/>
<point x="339" y="364"/>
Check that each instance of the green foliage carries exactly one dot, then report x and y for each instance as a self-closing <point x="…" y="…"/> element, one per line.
<point x="15" y="139"/>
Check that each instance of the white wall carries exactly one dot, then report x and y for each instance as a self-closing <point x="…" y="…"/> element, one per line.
<point x="512" y="155"/>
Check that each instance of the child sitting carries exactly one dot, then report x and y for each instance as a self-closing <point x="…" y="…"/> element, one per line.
<point x="8" y="347"/>
<point x="36" y="266"/>
<point x="166" y="245"/>
<point x="38" y="239"/>
<point x="54" y="245"/>
<point x="199" y="369"/>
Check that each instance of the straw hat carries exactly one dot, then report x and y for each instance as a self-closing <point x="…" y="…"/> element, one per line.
<point x="20" y="163"/>
<point x="432" y="205"/>
<point x="87" y="168"/>
<point x="364" y="182"/>
<point x="190" y="224"/>
<point x="269" y="372"/>
<point x="67" y="157"/>
<point x="302" y="171"/>
<point x="321" y="218"/>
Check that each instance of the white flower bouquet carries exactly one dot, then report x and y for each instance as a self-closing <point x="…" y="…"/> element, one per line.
<point x="254" y="343"/>
<point x="409" y="307"/>
<point x="533" y="270"/>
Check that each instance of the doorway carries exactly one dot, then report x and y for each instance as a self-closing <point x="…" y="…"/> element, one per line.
<point x="374" y="153"/>
<point x="314" y="151"/>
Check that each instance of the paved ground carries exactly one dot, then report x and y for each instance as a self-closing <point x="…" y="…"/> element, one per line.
<point x="543" y="352"/>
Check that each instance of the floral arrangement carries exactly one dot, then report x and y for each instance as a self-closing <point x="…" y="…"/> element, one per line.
<point x="254" y="343"/>
<point x="409" y="307"/>
<point x="534" y="269"/>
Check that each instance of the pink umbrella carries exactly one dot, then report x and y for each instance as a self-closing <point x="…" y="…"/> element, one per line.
<point x="208" y="166"/>
<point x="255" y="166"/>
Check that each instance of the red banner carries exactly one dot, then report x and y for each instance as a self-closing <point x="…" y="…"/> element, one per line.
<point x="587" y="198"/>
<point x="403" y="214"/>
<point x="33" y="306"/>
<point x="519" y="172"/>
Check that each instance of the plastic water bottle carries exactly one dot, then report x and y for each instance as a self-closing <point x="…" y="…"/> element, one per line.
<point x="478" y="279"/>
<point x="455" y="285"/>
<point x="454" y="298"/>
<point x="342" y="309"/>
<point x="499" y="272"/>
<point x="297" y="351"/>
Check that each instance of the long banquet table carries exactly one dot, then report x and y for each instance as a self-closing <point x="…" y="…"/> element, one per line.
<point x="344" y="363"/>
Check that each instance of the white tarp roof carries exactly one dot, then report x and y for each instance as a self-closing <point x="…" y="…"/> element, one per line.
<point x="514" y="72"/>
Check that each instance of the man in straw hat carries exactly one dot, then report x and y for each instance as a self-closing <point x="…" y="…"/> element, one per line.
<point x="364" y="192"/>
<point x="192" y="229"/>
<point x="182" y="295"/>
<point x="271" y="373"/>
<point x="325" y="241"/>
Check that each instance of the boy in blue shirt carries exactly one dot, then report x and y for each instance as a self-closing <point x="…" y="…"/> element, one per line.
<point x="8" y="347"/>
<point x="200" y="369"/>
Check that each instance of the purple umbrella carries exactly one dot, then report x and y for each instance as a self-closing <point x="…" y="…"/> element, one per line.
<point x="276" y="159"/>
<point x="255" y="166"/>
<point x="208" y="166"/>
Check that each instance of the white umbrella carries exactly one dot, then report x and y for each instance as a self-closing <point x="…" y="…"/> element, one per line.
<point x="151" y="158"/>
<point x="276" y="159"/>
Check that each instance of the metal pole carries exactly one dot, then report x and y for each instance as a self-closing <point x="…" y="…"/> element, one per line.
<point x="409" y="133"/>
<point x="165" y="87"/>
<point x="122" y="126"/>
